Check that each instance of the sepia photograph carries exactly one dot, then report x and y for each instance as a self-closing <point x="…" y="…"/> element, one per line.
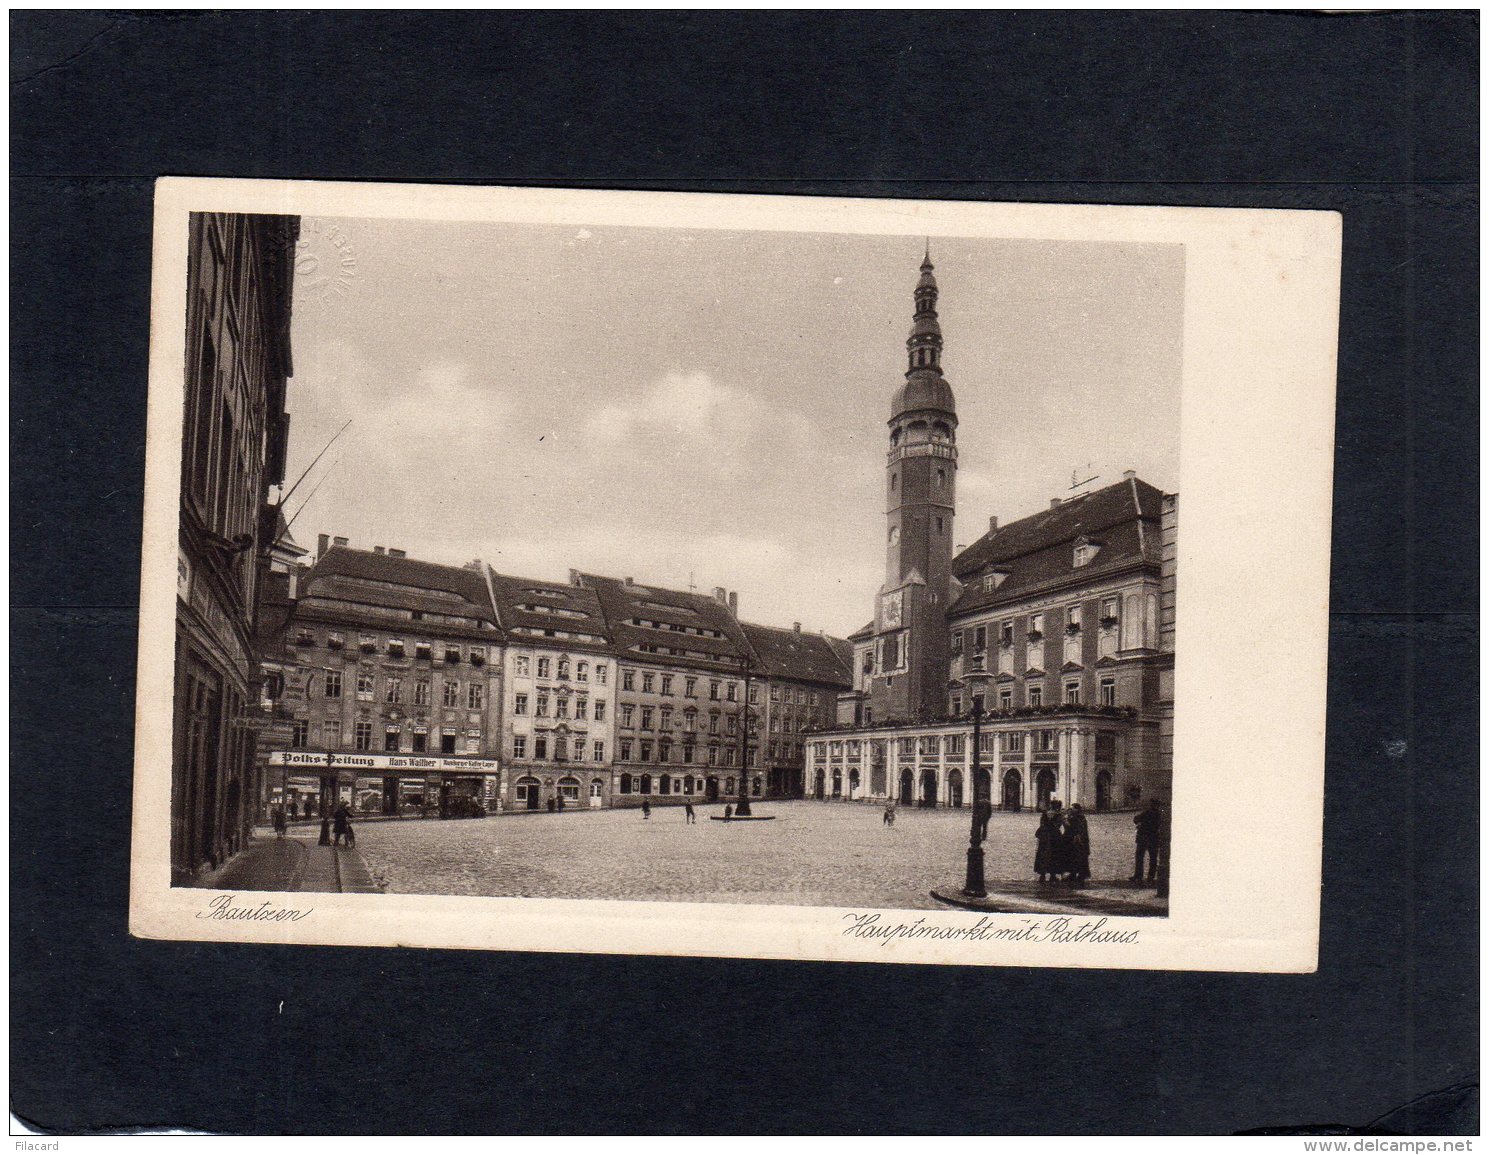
<point x="622" y="558"/>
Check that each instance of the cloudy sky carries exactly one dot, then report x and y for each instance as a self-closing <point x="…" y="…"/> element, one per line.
<point x="679" y="405"/>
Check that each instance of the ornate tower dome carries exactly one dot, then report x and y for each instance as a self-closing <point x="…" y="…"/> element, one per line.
<point x="924" y="388"/>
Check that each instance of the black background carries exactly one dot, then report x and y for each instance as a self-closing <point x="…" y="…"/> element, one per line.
<point x="1373" y="115"/>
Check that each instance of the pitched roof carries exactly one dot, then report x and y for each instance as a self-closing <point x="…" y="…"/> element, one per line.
<point x="860" y="634"/>
<point x="800" y="657"/>
<point x="1037" y="551"/>
<point x="685" y="621"/>
<point x="424" y="583"/>
<point x="518" y="599"/>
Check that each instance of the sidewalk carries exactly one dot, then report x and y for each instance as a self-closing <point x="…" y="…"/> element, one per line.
<point x="1117" y="898"/>
<point x="293" y="864"/>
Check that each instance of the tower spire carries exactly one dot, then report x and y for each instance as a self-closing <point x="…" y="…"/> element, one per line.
<point x="924" y="344"/>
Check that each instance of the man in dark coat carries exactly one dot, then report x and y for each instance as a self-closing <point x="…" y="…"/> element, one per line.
<point x="1047" y="843"/>
<point x="1077" y="847"/>
<point x="341" y="820"/>
<point x="982" y="812"/>
<point x="1147" y="822"/>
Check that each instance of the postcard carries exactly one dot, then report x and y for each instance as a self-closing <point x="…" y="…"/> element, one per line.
<point x="748" y="576"/>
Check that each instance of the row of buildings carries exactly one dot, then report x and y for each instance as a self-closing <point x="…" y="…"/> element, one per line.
<point x="404" y="686"/>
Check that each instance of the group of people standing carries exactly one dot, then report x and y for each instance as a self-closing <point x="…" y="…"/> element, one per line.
<point x="1063" y="845"/>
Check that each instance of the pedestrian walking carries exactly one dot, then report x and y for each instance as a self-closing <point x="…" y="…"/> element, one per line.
<point x="279" y="823"/>
<point x="341" y="823"/>
<point x="889" y="813"/>
<point x="294" y="810"/>
<point x="560" y="803"/>
<point x="325" y="829"/>
<point x="728" y="811"/>
<point x="646" y="808"/>
<point x="1077" y="847"/>
<point x="687" y="809"/>
<point x="1147" y="822"/>
<point x="1047" y="846"/>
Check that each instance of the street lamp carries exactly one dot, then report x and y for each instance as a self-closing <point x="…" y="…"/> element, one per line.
<point x="742" y="807"/>
<point x="976" y="680"/>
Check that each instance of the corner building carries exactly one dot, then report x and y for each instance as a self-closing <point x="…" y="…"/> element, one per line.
<point x="1058" y="627"/>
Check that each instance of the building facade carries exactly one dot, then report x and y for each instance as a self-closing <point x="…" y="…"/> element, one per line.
<point x="1057" y="630"/>
<point x="797" y="679"/>
<point x="558" y="713"/>
<point x="233" y="448"/>
<point x="391" y="692"/>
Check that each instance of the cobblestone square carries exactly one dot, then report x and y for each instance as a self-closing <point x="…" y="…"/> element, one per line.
<point x="813" y="854"/>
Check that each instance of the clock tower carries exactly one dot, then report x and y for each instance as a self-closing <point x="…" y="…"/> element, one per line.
<point x="911" y="645"/>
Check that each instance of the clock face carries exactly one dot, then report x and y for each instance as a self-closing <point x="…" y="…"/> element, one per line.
<point x="893" y="609"/>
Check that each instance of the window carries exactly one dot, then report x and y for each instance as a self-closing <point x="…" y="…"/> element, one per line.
<point x="421" y="741"/>
<point x="452" y="654"/>
<point x="581" y="708"/>
<point x="628" y="716"/>
<point x="956" y="704"/>
<point x="331" y="731"/>
<point x="625" y="750"/>
<point x="335" y="640"/>
<point x="300" y="733"/>
<point x="422" y="651"/>
<point x="581" y="672"/>
<point x="390" y="739"/>
<point x="544" y="665"/>
<point x="421" y="692"/>
<point x="363" y="735"/>
<point x="568" y="789"/>
<point x="956" y="642"/>
<point x="395" y="647"/>
<point x="646" y="751"/>
<point x="475" y="696"/>
<point x="713" y="691"/>
<point x="713" y="755"/>
<point x="447" y="742"/>
<point x="1005" y="633"/>
<point x="689" y="686"/>
<point x="519" y="704"/>
<point x="599" y="709"/>
<point x="540" y="747"/>
<point x="664" y="751"/>
<point x="478" y="655"/>
<point x="729" y="761"/>
<point x="1046" y="740"/>
<point x="979" y="638"/>
<point x="521" y="665"/>
<point x="1108" y="691"/>
<point x="713" y="722"/>
<point x="1005" y="699"/>
<point x="894" y="482"/>
<point x="940" y="521"/>
<point x="868" y="661"/>
<point x="563" y="669"/>
<point x="394" y="691"/>
<point x="733" y="692"/>
<point x="1108" y="611"/>
<point x="646" y="715"/>
<point x="519" y="746"/>
<point x="666" y="717"/>
<point x="599" y="754"/>
<point x="647" y="682"/>
<point x="775" y="693"/>
<point x="1036" y="695"/>
<point x="452" y="693"/>
<point x="333" y="683"/>
<point x="562" y="710"/>
<point x="601" y="672"/>
<point x="365" y="687"/>
<point x="627" y="679"/>
<point x="732" y="724"/>
<point x="1072" y="693"/>
<point x="1036" y="627"/>
<point x="560" y="748"/>
<point x="542" y="710"/>
<point x="690" y="720"/>
<point x="367" y="643"/>
<point x="1073" y="617"/>
<point x="666" y="683"/>
<point x="687" y="752"/>
<point x="579" y="744"/>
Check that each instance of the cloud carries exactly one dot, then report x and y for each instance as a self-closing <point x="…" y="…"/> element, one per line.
<point x="691" y="405"/>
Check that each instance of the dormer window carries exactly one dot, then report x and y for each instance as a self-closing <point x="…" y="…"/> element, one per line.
<point x="452" y="654"/>
<point x="478" y="655"/>
<point x="304" y="638"/>
<point x="423" y="650"/>
<point x="1085" y="552"/>
<point x="395" y="647"/>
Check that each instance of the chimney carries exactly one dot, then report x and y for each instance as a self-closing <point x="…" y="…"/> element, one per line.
<point x="628" y="581"/>
<point x="1054" y="503"/>
<point x="721" y="595"/>
<point x="992" y="523"/>
<point x="321" y="543"/>
<point x="341" y="541"/>
<point x="377" y="549"/>
<point x="734" y="603"/>
<point x="796" y="627"/>
<point x="574" y="578"/>
<point x="1129" y="475"/>
<point x="397" y="553"/>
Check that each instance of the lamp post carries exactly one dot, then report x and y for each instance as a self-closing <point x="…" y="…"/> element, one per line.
<point x="976" y="885"/>
<point x="742" y="807"/>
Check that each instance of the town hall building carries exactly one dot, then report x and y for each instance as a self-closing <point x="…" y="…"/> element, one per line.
<point x="1057" y="630"/>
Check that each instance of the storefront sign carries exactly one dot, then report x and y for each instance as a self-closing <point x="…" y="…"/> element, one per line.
<point x="384" y="762"/>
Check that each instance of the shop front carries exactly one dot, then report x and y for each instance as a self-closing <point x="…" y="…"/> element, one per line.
<point x="389" y="785"/>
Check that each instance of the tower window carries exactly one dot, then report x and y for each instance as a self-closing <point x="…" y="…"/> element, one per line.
<point x="940" y="525"/>
<point x="940" y="478"/>
<point x="894" y="482"/>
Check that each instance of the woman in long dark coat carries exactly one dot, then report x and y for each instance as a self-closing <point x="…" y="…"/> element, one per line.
<point x="1047" y="839"/>
<point x="1077" y="847"/>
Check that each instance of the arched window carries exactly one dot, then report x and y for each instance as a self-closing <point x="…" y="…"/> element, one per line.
<point x="625" y="783"/>
<point x="568" y="789"/>
<point x="646" y="783"/>
<point x="664" y="785"/>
